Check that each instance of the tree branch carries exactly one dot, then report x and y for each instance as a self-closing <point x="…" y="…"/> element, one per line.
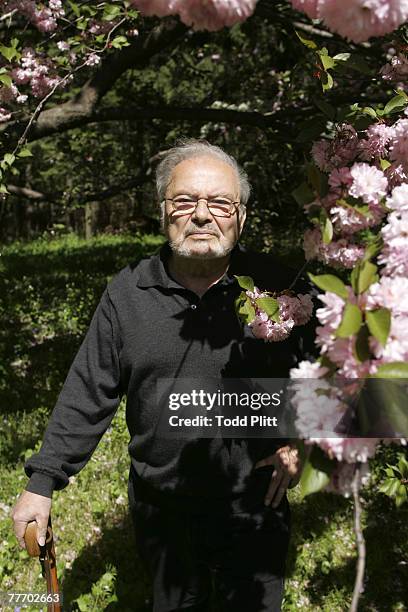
<point x="73" y="112"/>
<point x="361" y="548"/>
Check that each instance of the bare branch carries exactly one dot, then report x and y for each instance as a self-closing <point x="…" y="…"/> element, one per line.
<point x="361" y="548"/>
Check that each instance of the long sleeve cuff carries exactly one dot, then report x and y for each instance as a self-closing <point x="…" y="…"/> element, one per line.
<point x="41" y="484"/>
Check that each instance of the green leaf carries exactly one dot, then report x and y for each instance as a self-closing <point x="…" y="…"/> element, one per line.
<point x="364" y="275"/>
<point x="310" y="44"/>
<point x="25" y="153"/>
<point x="384" y="163"/>
<point x="111" y="12"/>
<point x="9" y="52"/>
<point x="303" y="194"/>
<point x="329" y="282"/>
<point x="368" y="110"/>
<point x="318" y="180"/>
<point x="389" y="486"/>
<point x="396" y="103"/>
<point x="327" y="81"/>
<point x="269" y="305"/>
<point x="312" y="480"/>
<point x="361" y="347"/>
<point x="394" y="369"/>
<point x="74" y="8"/>
<point x="6" y="80"/>
<point x="373" y="248"/>
<point x="342" y="57"/>
<point x="316" y="472"/>
<point x="3" y="189"/>
<point x="327" y="231"/>
<point x="245" y="282"/>
<point x="9" y="158"/>
<point x="379" y="324"/>
<point x="327" y="61"/>
<point x="120" y="41"/>
<point x="403" y="466"/>
<point x="402" y="496"/>
<point x="351" y="321"/>
<point x="247" y="311"/>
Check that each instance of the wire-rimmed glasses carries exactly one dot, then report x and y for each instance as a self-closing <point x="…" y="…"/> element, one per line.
<point x="218" y="206"/>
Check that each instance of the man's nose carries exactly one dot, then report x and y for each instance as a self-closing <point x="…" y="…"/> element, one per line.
<point x="201" y="213"/>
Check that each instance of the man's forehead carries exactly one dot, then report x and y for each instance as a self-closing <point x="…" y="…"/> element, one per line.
<point x="197" y="170"/>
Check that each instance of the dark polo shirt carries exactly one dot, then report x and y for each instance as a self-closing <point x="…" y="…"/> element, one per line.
<point x="146" y="327"/>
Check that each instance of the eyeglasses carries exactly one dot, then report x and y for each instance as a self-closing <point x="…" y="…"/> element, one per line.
<point x="218" y="207"/>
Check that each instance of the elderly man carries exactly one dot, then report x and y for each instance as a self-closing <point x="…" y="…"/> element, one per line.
<point x="206" y="511"/>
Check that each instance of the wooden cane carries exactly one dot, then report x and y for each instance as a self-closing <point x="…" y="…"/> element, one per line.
<point x="48" y="562"/>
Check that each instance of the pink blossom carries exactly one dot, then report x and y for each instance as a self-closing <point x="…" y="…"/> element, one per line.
<point x="376" y="143"/>
<point x="63" y="45"/>
<point x="396" y="174"/>
<point x="298" y="308"/>
<point x="100" y="27"/>
<point x="396" y="69"/>
<point x="265" y="329"/>
<point x="93" y="59"/>
<point x="307" y="6"/>
<point x="369" y="183"/>
<point x="160" y="8"/>
<point x="398" y="200"/>
<point x="311" y="243"/>
<point x="317" y="414"/>
<point x="348" y="220"/>
<point x="349" y="450"/>
<point x="7" y="94"/>
<point x="306" y="369"/>
<point x="321" y="154"/>
<point x="396" y="348"/>
<point x="330" y="315"/>
<point x="213" y="15"/>
<point x="4" y="115"/>
<point x="399" y="144"/>
<point x="340" y="178"/>
<point x="389" y="292"/>
<point x="209" y="15"/>
<point x="340" y="151"/>
<point x="358" y="20"/>
<point x="341" y="253"/>
<point x="394" y="255"/>
<point x="342" y="477"/>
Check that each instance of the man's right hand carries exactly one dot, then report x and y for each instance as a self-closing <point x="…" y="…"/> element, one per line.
<point x="31" y="507"/>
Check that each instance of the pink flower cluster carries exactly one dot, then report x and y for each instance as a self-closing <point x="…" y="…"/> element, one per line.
<point x="293" y="311"/>
<point x="358" y="187"/>
<point x="357" y="20"/>
<point x="209" y="15"/>
<point x="43" y="17"/>
<point x="37" y="72"/>
<point x="396" y="70"/>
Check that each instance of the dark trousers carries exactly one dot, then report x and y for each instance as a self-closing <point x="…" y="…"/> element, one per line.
<point x="224" y="560"/>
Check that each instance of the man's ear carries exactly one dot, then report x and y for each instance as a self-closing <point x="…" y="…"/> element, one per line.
<point x="241" y="217"/>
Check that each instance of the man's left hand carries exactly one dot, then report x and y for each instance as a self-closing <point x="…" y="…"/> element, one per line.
<point x="287" y="472"/>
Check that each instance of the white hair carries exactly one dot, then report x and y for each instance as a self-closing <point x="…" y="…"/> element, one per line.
<point x="188" y="148"/>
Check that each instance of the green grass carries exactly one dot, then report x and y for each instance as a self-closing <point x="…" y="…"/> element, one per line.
<point x="98" y="568"/>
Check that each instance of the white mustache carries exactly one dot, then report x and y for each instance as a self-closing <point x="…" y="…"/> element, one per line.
<point x="189" y="233"/>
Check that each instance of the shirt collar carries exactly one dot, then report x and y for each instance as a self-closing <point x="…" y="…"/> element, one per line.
<point x="154" y="273"/>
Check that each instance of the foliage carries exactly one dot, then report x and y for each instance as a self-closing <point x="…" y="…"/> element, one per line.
<point x="49" y="290"/>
